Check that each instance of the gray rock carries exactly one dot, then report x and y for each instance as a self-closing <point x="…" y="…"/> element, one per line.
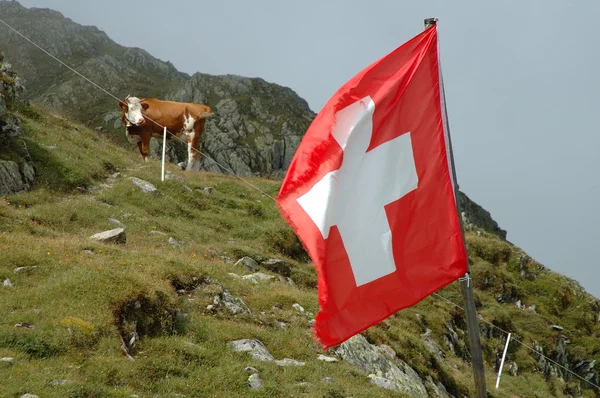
<point x="234" y="304"/>
<point x="28" y="395"/>
<point x="585" y="369"/>
<point x="255" y="382"/>
<point x="278" y="266"/>
<point x="158" y="233"/>
<point x="513" y="369"/>
<point x="21" y="269"/>
<point x="11" y="179"/>
<point x="116" y="235"/>
<point x="207" y="190"/>
<point x="145" y="186"/>
<point x="437" y="389"/>
<point x="182" y="165"/>
<point x="116" y="222"/>
<point x="248" y="263"/>
<point x="327" y="380"/>
<point x="60" y="382"/>
<point x="432" y="346"/>
<point x="257" y="277"/>
<point x="173" y="177"/>
<point x="385" y="383"/>
<point x="254" y="347"/>
<point x="298" y="308"/>
<point x="251" y="370"/>
<point x="7" y="283"/>
<point x="289" y="362"/>
<point x="478" y="216"/>
<point x="556" y="327"/>
<point x="383" y="371"/>
<point x="325" y="358"/>
<point x="174" y="242"/>
<point x="7" y="360"/>
<point x="285" y="280"/>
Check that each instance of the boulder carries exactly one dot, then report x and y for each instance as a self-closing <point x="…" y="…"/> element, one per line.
<point x="392" y="374"/>
<point x="116" y="235"/>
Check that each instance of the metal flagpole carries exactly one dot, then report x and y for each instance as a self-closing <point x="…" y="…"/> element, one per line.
<point x="466" y="287"/>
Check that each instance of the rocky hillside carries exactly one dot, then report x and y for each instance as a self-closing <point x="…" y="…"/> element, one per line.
<point x="17" y="173"/>
<point x="115" y="284"/>
<point x="257" y="127"/>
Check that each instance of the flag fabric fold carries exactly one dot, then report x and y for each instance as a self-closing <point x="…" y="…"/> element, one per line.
<point x="370" y="194"/>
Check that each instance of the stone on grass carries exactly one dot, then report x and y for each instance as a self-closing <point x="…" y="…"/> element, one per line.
<point x="8" y="283"/>
<point x="254" y="347"/>
<point x="248" y="263"/>
<point x="289" y="362"/>
<point x="145" y="186"/>
<point x="7" y="360"/>
<point x="298" y="308"/>
<point x="255" y="382"/>
<point x="257" y="277"/>
<point x="116" y="235"/>
<point x="278" y="266"/>
<point x="21" y="269"/>
<point x="383" y="370"/>
<point x="325" y="358"/>
<point x="234" y="304"/>
<point x="60" y="382"/>
<point x="174" y="242"/>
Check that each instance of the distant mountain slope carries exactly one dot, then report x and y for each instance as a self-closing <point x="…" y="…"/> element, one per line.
<point x="250" y="134"/>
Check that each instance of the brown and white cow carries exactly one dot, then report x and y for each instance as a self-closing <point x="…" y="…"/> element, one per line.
<point x="180" y="118"/>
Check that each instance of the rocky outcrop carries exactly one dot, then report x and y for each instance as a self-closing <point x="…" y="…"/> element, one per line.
<point x="15" y="178"/>
<point x="478" y="216"/>
<point x="256" y="128"/>
<point x="382" y="366"/>
<point x="17" y="173"/>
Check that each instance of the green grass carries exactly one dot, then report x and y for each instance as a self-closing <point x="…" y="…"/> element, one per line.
<point x="85" y="296"/>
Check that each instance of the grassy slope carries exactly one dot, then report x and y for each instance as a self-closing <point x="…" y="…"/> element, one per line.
<point x="80" y="288"/>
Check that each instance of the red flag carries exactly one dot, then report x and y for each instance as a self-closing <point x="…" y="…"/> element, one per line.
<point x="369" y="193"/>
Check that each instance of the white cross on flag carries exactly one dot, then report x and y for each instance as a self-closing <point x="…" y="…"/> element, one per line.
<point x="369" y="193"/>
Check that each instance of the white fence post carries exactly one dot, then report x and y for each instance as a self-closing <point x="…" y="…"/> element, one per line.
<point x="502" y="362"/>
<point x="163" y="153"/>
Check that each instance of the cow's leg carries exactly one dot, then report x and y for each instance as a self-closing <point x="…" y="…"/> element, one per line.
<point x="144" y="146"/>
<point x="194" y="155"/>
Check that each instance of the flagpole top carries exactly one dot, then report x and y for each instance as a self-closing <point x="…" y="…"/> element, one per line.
<point x="430" y="22"/>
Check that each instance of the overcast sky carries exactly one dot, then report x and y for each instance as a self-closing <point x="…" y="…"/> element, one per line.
<point x="521" y="83"/>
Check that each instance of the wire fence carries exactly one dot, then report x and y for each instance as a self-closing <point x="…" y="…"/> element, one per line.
<point x="266" y="194"/>
<point x="520" y="342"/>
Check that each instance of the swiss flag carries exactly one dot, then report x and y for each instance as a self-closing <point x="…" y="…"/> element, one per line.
<point x="370" y="193"/>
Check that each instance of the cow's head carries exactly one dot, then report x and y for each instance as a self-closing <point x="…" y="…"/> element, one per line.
<point x="131" y="111"/>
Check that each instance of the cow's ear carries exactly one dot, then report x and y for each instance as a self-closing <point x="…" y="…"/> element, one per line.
<point x="122" y="105"/>
<point x="145" y="106"/>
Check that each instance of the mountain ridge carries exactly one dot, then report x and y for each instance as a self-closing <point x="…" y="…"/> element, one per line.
<point x="131" y="70"/>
